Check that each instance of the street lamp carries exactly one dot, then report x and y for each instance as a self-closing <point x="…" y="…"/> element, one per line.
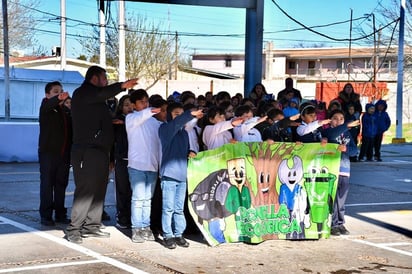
<point x="399" y="89"/>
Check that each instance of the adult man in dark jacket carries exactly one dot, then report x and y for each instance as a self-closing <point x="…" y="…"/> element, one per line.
<point x="92" y="140"/>
<point x="282" y="98"/>
<point x="54" y="154"/>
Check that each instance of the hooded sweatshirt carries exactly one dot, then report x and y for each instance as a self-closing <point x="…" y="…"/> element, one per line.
<point x="175" y="147"/>
<point x="369" y="128"/>
<point x="341" y="135"/>
<point x="383" y="122"/>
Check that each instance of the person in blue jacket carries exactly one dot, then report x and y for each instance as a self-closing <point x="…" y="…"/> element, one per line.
<point x="339" y="133"/>
<point x="174" y="140"/>
<point x="369" y="131"/>
<point x="383" y="122"/>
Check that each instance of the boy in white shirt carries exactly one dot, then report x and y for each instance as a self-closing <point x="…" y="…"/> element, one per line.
<point x="246" y="132"/>
<point x="144" y="160"/>
<point x="216" y="131"/>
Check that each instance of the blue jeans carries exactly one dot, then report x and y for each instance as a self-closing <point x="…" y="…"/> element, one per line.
<point x="142" y="184"/>
<point x="173" y="197"/>
<point x="338" y="215"/>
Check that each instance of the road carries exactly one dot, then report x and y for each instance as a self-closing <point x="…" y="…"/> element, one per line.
<point x="379" y="217"/>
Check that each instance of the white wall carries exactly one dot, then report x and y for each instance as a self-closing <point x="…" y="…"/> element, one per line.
<point x="237" y="68"/>
<point x="26" y="97"/>
<point x="19" y="141"/>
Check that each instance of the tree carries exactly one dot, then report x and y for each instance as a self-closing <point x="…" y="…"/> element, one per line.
<point x="149" y="51"/>
<point x="390" y="13"/>
<point x="39" y="50"/>
<point x="82" y="57"/>
<point x="21" y="23"/>
<point x="185" y="61"/>
<point x="314" y="45"/>
<point x="388" y="31"/>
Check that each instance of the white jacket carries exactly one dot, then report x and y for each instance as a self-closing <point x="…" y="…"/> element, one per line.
<point x="217" y="135"/>
<point x="246" y="132"/>
<point x="143" y="138"/>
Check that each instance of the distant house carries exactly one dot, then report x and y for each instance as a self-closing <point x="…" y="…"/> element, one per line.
<point x="310" y="64"/>
<point x="230" y="64"/>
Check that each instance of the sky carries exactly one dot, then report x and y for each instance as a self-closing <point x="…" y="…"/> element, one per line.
<point x="198" y="26"/>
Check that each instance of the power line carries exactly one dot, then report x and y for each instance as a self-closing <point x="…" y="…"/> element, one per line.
<point x="110" y="19"/>
<point x="327" y="36"/>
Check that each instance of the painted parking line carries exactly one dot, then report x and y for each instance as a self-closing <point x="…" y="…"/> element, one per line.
<point x="20" y="173"/>
<point x="401" y="161"/>
<point x="379" y="204"/>
<point x="37" y="267"/>
<point x="386" y="246"/>
<point x="397" y="244"/>
<point x="79" y="248"/>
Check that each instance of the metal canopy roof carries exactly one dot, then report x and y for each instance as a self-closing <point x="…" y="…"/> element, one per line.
<point x="41" y="75"/>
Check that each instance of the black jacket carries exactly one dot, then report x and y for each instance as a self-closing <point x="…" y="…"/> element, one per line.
<point x="55" y="128"/>
<point x="121" y="144"/>
<point x="92" y="121"/>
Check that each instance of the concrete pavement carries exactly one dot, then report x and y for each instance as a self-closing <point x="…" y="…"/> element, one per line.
<point x="379" y="217"/>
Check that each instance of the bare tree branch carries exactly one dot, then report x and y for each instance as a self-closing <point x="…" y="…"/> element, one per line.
<point x="149" y="52"/>
<point x="21" y="22"/>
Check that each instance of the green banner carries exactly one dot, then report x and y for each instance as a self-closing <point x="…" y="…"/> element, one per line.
<point x="252" y="192"/>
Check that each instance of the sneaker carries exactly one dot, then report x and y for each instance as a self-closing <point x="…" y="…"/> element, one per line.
<point x="105" y="216"/>
<point x="123" y="222"/>
<point x="95" y="233"/>
<point x="74" y="238"/>
<point x="170" y="243"/>
<point x="147" y="234"/>
<point x="335" y="231"/>
<point x="361" y="160"/>
<point x="180" y="241"/>
<point x="137" y="235"/>
<point x="379" y="160"/>
<point x="47" y="222"/>
<point x="343" y="230"/>
<point x="122" y="225"/>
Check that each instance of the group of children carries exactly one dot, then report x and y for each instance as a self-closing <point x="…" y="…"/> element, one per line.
<point x="155" y="137"/>
<point x="375" y="121"/>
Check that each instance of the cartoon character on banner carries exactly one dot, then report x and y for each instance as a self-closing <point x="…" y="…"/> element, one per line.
<point x="266" y="160"/>
<point x="293" y="195"/>
<point x="238" y="194"/>
<point x="319" y="185"/>
<point x="208" y="202"/>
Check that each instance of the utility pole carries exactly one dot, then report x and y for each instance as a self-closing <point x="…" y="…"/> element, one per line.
<point x="62" y="34"/>
<point x="176" y="55"/>
<point x="374" y="53"/>
<point x="6" y="61"/>
<point x="122" y="46"/>
<point x="102" y="25"/>
<point x="350" y="45"/>
<point x="377" y="54"/>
